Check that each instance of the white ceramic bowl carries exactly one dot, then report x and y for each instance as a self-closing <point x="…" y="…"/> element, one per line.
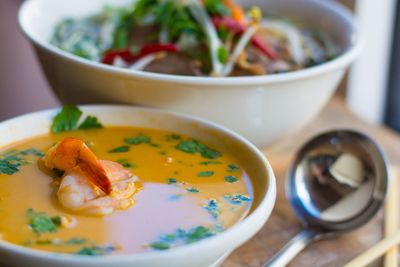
<point x="261" y="108"/>
<point x="207" y="252"/>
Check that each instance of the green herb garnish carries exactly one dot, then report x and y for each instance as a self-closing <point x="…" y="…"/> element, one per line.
<point x="223" y="55"/>
<point x="67" y="120"/>
<point x="40" y="222"/>
<point x="205" y="173"/>
<point x="212" y="208"/>
<point x="216" y="8"/>
<point x="90" y="122"/>
<point x="181" y="236"/>
<point x="172" y="181"/>
<point x="192" y="146"/>
<point x="125" y="163"/>
<point x="192" y="190"/>
<point x="232" y="167"/>
<point x="120" y="149"/>
<point x="76" y="241"/>
<point x="141" y="139"/>
<point x="237" y="199"/>
<point x="231" y="179"/>
<point x="160" y="245"/>
<point x="96" y="250"/>
<point x="33" y="152"/>
<point x="210" y="162"/>
<point x="11" y="161"/>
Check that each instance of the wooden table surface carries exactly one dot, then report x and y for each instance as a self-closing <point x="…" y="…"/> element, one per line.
<point x="282" y="225"/>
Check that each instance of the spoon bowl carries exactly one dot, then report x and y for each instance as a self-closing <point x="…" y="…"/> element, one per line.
<point x="337" y="183"/>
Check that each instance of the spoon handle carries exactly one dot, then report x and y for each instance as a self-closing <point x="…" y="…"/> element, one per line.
<point x="291" y="249"/>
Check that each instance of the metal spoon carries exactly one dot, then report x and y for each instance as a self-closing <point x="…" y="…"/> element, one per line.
<point x="327" y="205"/>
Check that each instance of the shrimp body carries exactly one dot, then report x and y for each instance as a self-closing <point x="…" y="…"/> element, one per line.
<point x="78" y="194"/>
<point x="89" y="185"/>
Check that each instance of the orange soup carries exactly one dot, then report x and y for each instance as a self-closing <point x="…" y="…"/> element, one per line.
<point x="187" y="191"/>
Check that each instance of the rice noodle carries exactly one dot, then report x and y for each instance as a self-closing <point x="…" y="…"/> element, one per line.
<point x="241" y="45"/>
<point x="293" y="37"/>
<point x="200" y="14"/>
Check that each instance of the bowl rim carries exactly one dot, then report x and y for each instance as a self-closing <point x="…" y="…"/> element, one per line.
<point x="341" y="61"/>
<point x="256" y="219"/>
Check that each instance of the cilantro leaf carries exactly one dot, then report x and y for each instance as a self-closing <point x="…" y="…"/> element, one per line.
<point x="125" y="163"/>
<point x="232" y="167"/>
<point x="96" y="250"/>
<point x="141" y="139"/>
<point x="205" y="174"/>
<point x="172" y="181"/>
<point x="160" y="245"/>
<point x="9" y="167"/>
<point x="193" y="190"/>
<point x="231" y="179"/>
<point x="120" y="149"/>
<point x="90" y="122"/>
<point x="192" y="146"/>
<point x="40" y="222"/>
<point x="11" y="161"/>
<point x="66" y="120"/>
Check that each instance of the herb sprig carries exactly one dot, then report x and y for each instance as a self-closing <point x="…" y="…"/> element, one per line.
<point x="68" y="118"/>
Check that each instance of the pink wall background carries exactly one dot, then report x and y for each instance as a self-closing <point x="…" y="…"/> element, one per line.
<point x="22" y="85"/>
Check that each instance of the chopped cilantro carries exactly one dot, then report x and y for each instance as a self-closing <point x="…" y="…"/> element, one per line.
<point x="192" y="190"/>
<point x="205" y="173"/>
<point x="198" y="233"/>
<point x="32" y="151"/>
<point x="210" y="162"/>
<point x="120" y="149"/>
<point x="212" y="208"/>
<point x="192" y="146"/>
<point x="172" y="181"/>
<point x="76" y="241"/>
<point x="11" y="161"/>
<point x="90" y="122"/>
<point x="237" y="199"/>
<point x="40" y="222"/>
<point x="181" y="236"/>
<point x="126" y="163"/>
<point x="231" y="179"/>
<point x="160" y="245"/>
<point x="67" y="120"/>
<point x="141" y="139"/>
<point x="232" y="167"/>
<point x="96" y="250"/>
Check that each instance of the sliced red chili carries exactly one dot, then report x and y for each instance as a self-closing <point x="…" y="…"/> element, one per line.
<point x="110" y="55"/>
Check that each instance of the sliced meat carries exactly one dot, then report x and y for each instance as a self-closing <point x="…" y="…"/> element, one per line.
<point x="176" y="63"/>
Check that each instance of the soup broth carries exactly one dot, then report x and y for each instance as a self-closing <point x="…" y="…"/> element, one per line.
<point x="187" y="192"/>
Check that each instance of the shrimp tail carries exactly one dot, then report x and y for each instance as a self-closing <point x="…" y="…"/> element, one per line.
<point x="97" y="175"/>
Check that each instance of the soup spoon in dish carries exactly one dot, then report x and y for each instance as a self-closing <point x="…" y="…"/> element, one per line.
<point x="337" y="183"/>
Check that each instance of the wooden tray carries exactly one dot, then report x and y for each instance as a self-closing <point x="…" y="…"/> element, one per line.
<point x="283" y="225"/>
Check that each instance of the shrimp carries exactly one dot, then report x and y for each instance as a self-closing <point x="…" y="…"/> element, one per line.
<point x="77" y="193"/>
<point x="89" y="185"/>
<point x="73" y="152"/>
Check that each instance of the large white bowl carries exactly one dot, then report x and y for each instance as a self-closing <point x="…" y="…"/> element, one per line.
<point x="261" y="108"/>
<point x="208" y="252"/>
